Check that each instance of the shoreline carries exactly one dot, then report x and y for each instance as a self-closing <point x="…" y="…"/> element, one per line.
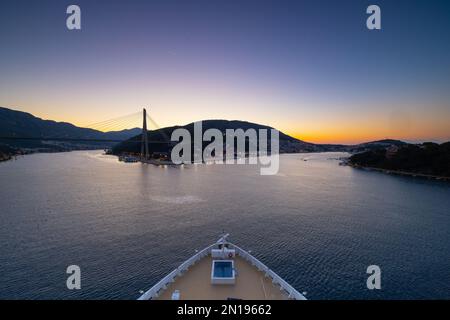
<point x="5" y="158"/>
<point x="36" y="151"/>
<point x="22" y="152"/>
<point x="401" y="173"/>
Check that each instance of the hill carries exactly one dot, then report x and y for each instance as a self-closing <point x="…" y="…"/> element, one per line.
<point x="425" y="159"/>
<point x="22" y="124"/>
<point x="18" y="124"/>
<point x="373" y="145"/>
<point x="288" y="144"/>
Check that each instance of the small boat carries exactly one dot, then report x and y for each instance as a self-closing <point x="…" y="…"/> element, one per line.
<point x="222" y="271"/>
<point x="128" y="159"/>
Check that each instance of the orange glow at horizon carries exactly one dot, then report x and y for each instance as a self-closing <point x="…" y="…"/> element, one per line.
<point x="355" y="135"/>
<point x="315" y="127"/>
<point x="419" y="128"/>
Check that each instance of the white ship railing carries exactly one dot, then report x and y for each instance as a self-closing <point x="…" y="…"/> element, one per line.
<point x="276" y="279"/>
<point x="154" y="291"/>
<point x="164" y="282"/>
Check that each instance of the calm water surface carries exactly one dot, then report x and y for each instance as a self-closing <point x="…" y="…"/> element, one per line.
<point x="317" y="224"/>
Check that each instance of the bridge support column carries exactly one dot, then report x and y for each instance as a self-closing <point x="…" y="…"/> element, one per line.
<point x="144" y="143"/>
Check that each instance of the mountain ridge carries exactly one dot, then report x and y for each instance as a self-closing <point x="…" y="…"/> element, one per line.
<point x="288" y="144"/>
<point x="37" y="135"/>
<point x="14" y="123"/>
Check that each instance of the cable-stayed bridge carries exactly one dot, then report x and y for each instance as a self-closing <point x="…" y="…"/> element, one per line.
<point x="112" y="129"/>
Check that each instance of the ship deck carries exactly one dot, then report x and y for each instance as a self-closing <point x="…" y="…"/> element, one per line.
<point x="250" y="284"/>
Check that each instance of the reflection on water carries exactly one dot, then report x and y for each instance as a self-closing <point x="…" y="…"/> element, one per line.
<point x="177" y="199"/>
<point x="319" y="225"/>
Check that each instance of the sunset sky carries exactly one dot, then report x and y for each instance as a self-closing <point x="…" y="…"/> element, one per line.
<point x="309" y="68"/>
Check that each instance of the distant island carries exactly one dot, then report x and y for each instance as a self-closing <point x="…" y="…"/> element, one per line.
<point x="428" y="159"/>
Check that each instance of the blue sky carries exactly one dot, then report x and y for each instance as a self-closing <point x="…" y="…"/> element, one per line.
<point x="310" y="68"/>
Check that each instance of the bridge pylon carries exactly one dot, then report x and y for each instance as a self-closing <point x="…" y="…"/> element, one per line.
<point x="144" y="144"/>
